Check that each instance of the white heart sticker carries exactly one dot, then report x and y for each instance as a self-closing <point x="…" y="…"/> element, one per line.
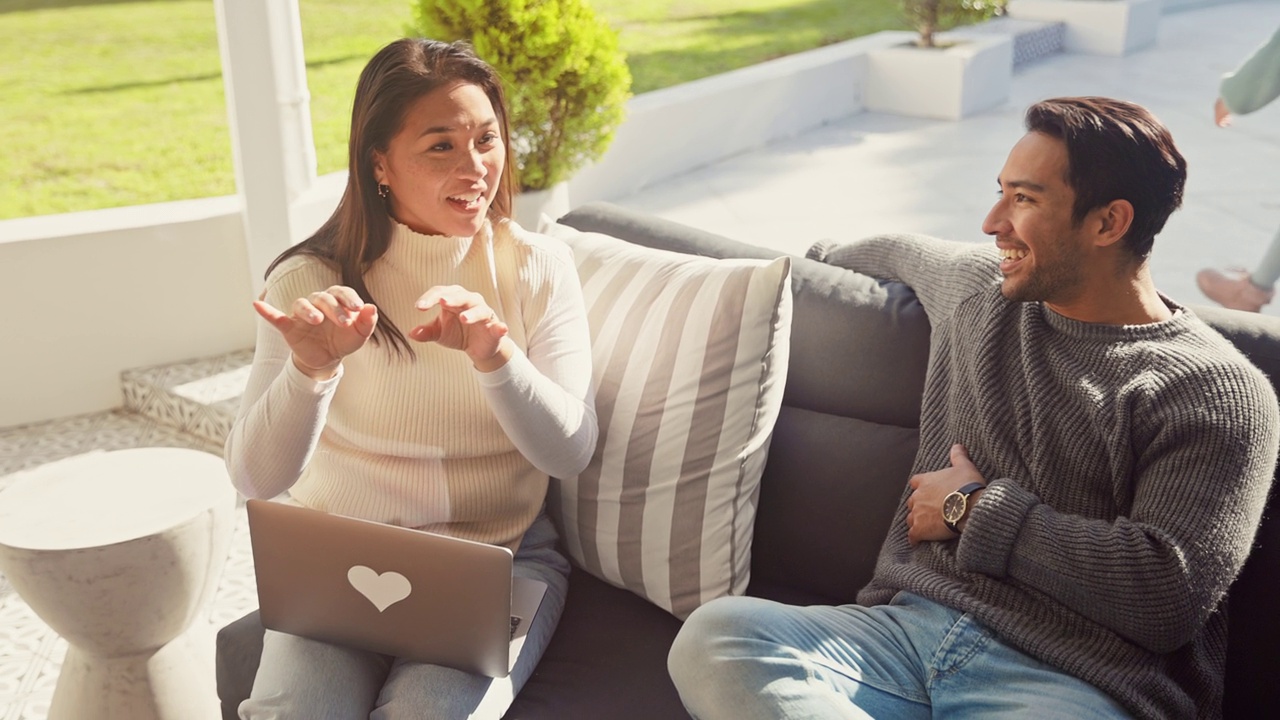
<point x="382" y="590"/>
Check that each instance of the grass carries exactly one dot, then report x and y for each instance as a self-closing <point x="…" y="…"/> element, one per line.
<point x="110" y="103"/>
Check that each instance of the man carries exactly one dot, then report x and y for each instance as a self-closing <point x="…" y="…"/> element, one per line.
<point x="1092" y="469"/>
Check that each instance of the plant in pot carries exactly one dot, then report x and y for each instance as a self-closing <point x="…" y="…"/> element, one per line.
<point x="930" y="17"/>
<point x="928" y="77"/>
<point x="566" y="82"/>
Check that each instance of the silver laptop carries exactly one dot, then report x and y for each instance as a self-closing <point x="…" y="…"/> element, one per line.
<point x="389" y="589"/>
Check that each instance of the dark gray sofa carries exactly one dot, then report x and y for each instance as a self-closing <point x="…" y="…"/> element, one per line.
<point x="841" y="451"/>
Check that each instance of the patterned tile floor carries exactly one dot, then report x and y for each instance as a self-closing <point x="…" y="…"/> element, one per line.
<point x="30" y="652"/>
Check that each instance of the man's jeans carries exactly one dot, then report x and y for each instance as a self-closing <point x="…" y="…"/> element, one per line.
<point x="743" y="658"/>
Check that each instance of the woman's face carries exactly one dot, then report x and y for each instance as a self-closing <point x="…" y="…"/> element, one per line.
<point x="444" y="165"/>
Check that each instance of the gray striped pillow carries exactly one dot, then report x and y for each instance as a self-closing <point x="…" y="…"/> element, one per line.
<point x="690" y="358"/>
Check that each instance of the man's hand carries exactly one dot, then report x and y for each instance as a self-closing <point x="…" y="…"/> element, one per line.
<point x="924" y="505"/>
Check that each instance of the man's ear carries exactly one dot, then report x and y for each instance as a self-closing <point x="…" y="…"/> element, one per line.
<point x="1112" y="221"/>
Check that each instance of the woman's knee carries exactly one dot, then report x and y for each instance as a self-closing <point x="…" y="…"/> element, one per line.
<point x="303" y="678"/>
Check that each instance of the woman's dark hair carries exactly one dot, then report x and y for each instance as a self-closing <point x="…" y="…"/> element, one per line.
<point x="359" y="231"/>
<point x="1116" y="150"/>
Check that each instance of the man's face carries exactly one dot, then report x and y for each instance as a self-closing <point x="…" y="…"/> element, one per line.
<point x="1044" y="255"/>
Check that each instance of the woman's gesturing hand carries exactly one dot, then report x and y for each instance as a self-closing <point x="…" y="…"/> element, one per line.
<point x="323" y="328"/>
<point x="467" y="323"/>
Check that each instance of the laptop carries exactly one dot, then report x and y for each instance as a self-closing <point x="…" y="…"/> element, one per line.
<point x="389" y="589"/>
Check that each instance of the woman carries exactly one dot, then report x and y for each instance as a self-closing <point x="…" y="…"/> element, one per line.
<point x="1249" y="88"/>
<point x="452" y="425"/>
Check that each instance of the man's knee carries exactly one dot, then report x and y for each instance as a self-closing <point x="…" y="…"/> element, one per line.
<point x="711" y="636"/>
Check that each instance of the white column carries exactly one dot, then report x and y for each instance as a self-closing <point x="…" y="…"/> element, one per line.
<point x="264" y="76"/>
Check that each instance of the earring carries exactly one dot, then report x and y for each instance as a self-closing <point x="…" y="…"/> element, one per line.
<point x="384" y="191"/>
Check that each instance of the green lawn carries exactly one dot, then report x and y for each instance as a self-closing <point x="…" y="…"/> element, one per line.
<point x="110" y="103"/>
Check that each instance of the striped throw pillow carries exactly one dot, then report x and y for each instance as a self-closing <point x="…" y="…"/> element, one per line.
<point x="690" y="358"/>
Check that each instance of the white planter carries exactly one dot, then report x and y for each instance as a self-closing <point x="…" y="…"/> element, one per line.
<point x="1097" y="27"/>
<point x="531" y="205"/>
<point x="967" y="77"/>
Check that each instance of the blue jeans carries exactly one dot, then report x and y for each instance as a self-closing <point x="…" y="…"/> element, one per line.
<point x="312" y="680"/>
<point x="743" y="658"/>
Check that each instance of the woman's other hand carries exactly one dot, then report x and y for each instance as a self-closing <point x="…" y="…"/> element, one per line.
<point x="323" y="328"/>
<point x="465" y="322"/>
<point x="1221" y="115"/>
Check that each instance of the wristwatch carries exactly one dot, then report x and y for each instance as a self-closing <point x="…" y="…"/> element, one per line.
<point x="956" y="504"/>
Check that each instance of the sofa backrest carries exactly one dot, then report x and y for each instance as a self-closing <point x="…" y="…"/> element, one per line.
<point x="847" y="434"/>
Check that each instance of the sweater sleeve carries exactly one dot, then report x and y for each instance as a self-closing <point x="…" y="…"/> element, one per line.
<point x="543" y="400"/>
<point x="1156" y="573"/>
<point x="942" y="273"/>
<point x="1256" y="82"/>
<point x="282" y="411"/>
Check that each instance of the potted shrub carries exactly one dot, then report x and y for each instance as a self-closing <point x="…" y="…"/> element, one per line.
<point x="927" y="76"/>
<point x="930" y="17"/>
<point x="566" y="80"/>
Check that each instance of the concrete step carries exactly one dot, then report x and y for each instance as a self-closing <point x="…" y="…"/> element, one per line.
<point x="1032" y="39"/>
<point x="200" y="397"/>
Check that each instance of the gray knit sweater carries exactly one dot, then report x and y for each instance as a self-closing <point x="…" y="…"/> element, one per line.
<point x="1127" y="468"/>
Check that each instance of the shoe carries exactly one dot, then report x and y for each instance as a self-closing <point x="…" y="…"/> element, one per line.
<point x="1236" y="292"/>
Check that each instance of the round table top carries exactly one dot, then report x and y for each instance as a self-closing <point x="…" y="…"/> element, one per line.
<point x="101" y="498"/>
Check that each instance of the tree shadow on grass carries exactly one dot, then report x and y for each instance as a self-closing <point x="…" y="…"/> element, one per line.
<point x="188" y="78"/>
<point x="759" y="35"/>
<point x="11" y="6"/>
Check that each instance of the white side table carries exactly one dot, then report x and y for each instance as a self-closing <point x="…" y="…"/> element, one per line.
<point x="120" y="553"/>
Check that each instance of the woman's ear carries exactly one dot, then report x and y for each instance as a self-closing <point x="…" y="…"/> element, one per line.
<point x="379" y="168"/>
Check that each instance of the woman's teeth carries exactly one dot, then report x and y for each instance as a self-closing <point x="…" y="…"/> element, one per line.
<point x="467" y="203"/>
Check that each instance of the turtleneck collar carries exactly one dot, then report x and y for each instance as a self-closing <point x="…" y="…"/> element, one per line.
<point x="412" y="249"/>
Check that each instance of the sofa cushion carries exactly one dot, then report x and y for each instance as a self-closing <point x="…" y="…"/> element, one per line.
<point x="689" y="359"/>
<point x="607" y="659"/>
<point x="826" y="499"/>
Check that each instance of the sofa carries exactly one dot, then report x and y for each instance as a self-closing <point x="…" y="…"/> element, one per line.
<point x="841" y="449"/>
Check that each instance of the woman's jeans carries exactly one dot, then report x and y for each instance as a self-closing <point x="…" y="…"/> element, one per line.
<point x="312" y="680"/>
<point x="744" y="658"/>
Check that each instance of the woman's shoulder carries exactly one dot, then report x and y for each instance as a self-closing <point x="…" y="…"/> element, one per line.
<point x="508" y="234"/>
<point x="298" y="275"/>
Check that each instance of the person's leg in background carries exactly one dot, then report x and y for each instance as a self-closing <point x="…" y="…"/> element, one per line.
<point x="1242" y="290"/>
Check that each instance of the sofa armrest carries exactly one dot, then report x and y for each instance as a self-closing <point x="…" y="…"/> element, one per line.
<point x="239" y="652"/>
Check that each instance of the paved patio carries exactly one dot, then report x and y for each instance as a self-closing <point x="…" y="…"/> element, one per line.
<point x="876" y="172"/>
<point x="870" y="173"/>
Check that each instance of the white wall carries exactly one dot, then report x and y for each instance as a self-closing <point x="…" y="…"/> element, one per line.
<point x="680" y="128"/>
<point x="91" y="294"/>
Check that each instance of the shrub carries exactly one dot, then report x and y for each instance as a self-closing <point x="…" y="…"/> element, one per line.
<point x="933" y="16"/>
<point x="567" y="83"/>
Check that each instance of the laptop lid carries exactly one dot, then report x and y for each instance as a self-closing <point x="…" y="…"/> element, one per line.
<point x="388" y="589"/>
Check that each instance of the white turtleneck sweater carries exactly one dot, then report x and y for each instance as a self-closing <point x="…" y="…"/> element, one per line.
<point x="428" y="442"/>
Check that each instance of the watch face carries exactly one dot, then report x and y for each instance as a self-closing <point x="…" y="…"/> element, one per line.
<point x="953" y="507"/>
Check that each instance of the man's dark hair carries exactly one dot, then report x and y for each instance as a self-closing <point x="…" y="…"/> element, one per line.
<point x="1116" y="150"/>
